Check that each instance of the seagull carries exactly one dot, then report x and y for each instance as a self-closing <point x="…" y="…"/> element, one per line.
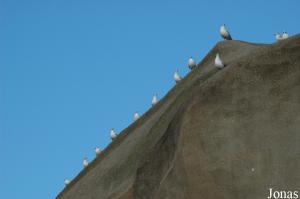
<point x="278" y="36"/>
<point x="154" y="100"/>
<point x="191" y="63"/>
<point x="285" y="35"/>
<point x="85" y="162"/>
<point x="177" y="77"/>
<point x="224" y="33"/>
<point x="97" y="151"/>
<point x="218" y="62"/>
<point x="67" y="182"/>
<point x="113" y="134"/>
<point x="136" y="116"/>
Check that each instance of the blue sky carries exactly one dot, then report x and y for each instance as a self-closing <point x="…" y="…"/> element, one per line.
<point x="71" y="70"/>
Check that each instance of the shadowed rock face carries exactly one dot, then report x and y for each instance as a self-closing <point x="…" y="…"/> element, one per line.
<point x="230" y="133"/>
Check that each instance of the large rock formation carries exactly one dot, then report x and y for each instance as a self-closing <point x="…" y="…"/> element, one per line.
<point x="229" y="134"/>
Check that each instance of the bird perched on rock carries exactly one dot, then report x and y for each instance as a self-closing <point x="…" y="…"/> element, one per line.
<point x="278" y="36"/>
<point x="177" y="77"/>
<point x="136" y="116"/>
<point x="85" y="162"/>
<point x="225" y="33"/>
<point x="285" y="35"/>
<point x="191" y="63"/>
<point x="154" y="100"/>
<point x="218" y="62"/>
<point x="67" y="182"/>
<point x="97" y="151"/>
<point x="113" y="134"/>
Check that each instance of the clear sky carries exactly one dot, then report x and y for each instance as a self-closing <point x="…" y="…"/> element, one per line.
<point x="71" y="70"/>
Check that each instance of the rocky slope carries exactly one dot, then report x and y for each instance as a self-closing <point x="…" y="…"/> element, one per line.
<point x="230" y="133"/>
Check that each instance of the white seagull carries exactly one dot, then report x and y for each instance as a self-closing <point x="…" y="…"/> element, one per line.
<point x="154" y="100"/>
<point x="136" y="116"/>
<point x="97" y="151"/>
<point x="278" y="37"/>
<point x="113" y="134"/>
<point x="177" y="77"/>
<point x="218" y="62"/>
<point x="191" y="63"/>
<point x="285" y="35"/>
<point x="67" y="182"/>
<point x="85" y="162"/>
<point x="224" y="33"/>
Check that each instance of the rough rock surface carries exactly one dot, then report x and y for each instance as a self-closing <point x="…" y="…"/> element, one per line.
<point x="228" y="134"/>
